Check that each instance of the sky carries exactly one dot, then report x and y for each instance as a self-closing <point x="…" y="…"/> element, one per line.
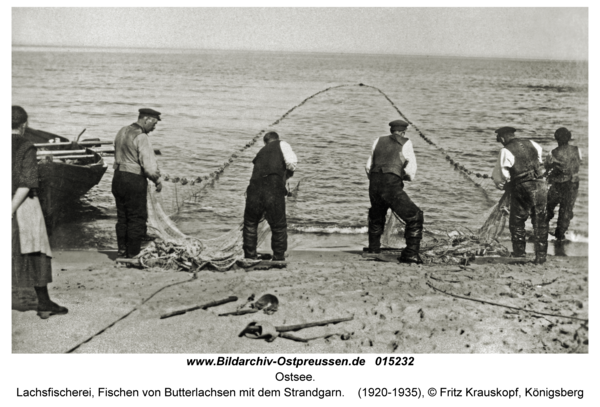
<point x="538" y="33"/>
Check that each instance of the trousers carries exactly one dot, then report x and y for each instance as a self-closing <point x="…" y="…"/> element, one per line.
<point x="529" y="199"/>
<point x="265" y="197"/>
<point x="565" y="195"/>
<point x="387" y="191"/>
<point x="130" y="192"/>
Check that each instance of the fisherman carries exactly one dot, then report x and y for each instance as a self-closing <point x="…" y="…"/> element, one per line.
<point x="391" y="162"/>
<point x="519" y="170"/>
<point x="266" y="193"/>
<point x="134" y="164"/>
<point x="562" y="165"/>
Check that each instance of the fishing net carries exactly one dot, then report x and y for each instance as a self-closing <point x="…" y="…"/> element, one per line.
<point x="175" y="250"/>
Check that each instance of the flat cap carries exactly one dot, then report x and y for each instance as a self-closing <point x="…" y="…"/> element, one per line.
<point x="150" y="112"/>
<point x="504" y="130"/>
<point x="399" y="123"/>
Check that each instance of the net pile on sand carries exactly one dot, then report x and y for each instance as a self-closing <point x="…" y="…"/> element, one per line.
<point x="176" y="251"/>
<point x="448" y="244"/>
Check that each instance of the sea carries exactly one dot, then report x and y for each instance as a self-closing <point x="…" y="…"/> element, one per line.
<point x="215" y="102"/>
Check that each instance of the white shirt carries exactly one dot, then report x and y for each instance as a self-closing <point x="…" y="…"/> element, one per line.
<point x="409" y="155"/>
<point x="291" y="161"/>
<point x="506" y="160"/>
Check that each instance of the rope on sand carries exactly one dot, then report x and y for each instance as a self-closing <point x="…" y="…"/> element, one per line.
<point x="74" y="348"/>
<point x="505" y="306"/>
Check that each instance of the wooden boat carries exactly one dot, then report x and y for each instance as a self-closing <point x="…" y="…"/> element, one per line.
<point x="67" y="170"/>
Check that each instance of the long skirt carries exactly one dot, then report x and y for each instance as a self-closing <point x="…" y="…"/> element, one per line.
<point x="34" y="269"/>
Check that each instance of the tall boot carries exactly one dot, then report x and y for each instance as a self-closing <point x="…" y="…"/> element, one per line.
<point x="250" y="240"/>
<point x="122" y="247"/>
<point x="518" y="237"/>
<point x="374" y="243"/>
<point x="410" y="254"/>
<point x="541" y="251"/>
<point x="134" y="247"/>
<point x="518" y="248"/>
<point x="46" y="307"/>
<point x="375" y="232"/>
<point x="559" y="234"/>
<point x="413" y="234"/>
<point x="541" y="243"/>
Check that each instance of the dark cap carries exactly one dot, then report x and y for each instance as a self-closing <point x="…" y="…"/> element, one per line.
<point x="399" y="123"/>
<point x="150" y="112"/>
<point x="504" y="130"/>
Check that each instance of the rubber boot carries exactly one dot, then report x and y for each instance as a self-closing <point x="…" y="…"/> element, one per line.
<point x="375" y="232"/>
<point x="122" y="248"/>
<point x="541" y="251"/>
<point x="374" y="244"/>
<point x="134" y="247"/>
<point x="250" y="240"/>
<point x="518" y="248"/>
<point x="410" y="254"/>
<point x="46" y="307"/>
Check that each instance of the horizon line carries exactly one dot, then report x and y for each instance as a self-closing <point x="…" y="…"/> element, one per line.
<point x="307" y="52"/>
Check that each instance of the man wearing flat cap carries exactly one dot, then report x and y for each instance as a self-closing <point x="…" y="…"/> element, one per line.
<point x="265" y="196"/>
<point x="563" y="168"/>
<point x="519" y="168"/>
<point x="135" y="163"/>
<point x="391" y="162"/>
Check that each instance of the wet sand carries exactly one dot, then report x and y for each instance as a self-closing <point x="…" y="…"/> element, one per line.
<point x="395" y="307"/>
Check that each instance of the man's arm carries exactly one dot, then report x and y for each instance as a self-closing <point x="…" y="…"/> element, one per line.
<point x="370" y="160"/>
<point x="539" y="151"/>
<point x="290" y="159"/>
<point x="410" y="166"/>
<point x="148" y="160"/>
<point x="501" y="175"/>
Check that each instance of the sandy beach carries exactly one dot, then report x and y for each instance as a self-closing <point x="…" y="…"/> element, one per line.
<point x="395" y="308"/>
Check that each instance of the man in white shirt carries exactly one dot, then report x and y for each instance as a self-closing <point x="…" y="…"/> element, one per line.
<point x="519" y="168"/>
<point x="135" y="164"/>
<point x="391" y="162"/>
<point x="273" y="165"/>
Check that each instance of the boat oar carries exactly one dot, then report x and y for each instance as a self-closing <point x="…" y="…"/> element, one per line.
<point x="60" y="152"/>
<point x="77" y="139"/>
<point x="69" y="157"/>
<point x="202" y="306"/>
<point x="111" y="150"/>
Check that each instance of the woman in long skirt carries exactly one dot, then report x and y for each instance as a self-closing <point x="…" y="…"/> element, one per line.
<point x="33" y="268"/>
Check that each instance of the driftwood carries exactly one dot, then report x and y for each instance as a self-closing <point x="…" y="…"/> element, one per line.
<point x="306" y="340"/>
<point x="257" y="329"/>
<point x="240" y="312"/>
<point x="202" y="306"/>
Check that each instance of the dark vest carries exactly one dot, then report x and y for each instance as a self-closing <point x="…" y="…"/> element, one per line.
<point x="268" y="161"/>
<point x="527" y="164"/>
<point x="565" y="165"/>
<point x="388" y="157"/>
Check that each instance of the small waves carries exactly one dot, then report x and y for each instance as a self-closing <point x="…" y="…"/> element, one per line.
<point x="573" y="237"/>
<point x="328" y="230"/>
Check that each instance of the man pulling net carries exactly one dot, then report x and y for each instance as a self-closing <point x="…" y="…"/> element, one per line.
<point x="518" y="169"/>
<point x="391" y="162"/>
